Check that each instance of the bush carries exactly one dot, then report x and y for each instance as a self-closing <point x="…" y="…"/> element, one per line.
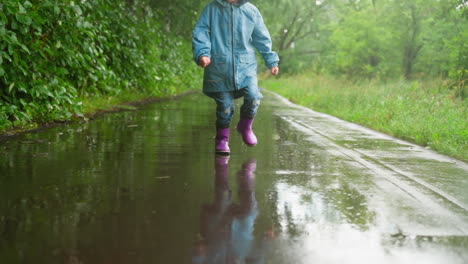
<point x="54" y="54"/>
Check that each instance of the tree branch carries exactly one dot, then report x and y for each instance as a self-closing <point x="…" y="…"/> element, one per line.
<point x="284" y="35"/>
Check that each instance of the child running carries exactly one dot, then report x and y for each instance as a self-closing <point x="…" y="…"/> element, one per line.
<point x="223" y="43"/>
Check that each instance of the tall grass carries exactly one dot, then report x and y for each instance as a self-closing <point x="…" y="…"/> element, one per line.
<point x="423" y="112"/>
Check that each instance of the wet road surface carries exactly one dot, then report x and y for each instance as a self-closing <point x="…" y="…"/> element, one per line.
<point x="145" y="187"/>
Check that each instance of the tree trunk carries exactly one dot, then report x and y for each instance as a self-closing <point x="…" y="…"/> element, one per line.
<point x="411" y="48"/>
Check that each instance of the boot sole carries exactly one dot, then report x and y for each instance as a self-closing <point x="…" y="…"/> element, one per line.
<point x="222" y="152"/>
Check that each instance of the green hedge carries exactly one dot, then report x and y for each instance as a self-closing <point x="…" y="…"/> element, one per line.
<point x="56" y="53"/>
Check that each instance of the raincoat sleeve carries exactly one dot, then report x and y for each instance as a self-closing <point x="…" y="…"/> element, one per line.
<point x="262" y="42"/>
<point x="201" y="40"/>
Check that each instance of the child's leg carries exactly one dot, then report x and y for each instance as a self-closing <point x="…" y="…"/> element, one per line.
<point x="252" y="98"/>
<point x="224" y="108"/>
<point x="224" y="112"/>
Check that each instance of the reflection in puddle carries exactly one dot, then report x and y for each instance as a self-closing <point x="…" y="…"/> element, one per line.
<point x="227" y="227"/>
<point x="317" y="229"/>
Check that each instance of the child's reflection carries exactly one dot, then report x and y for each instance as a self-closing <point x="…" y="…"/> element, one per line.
<point x="227" y="228"/>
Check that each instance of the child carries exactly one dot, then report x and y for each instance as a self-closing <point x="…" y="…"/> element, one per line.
<point x="223" y="42"/>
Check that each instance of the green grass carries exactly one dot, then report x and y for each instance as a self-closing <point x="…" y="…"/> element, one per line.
<point x="423" y="112"/>
<point x="92" y="106"/>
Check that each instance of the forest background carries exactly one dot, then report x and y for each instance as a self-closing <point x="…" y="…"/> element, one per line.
<point x="398" y="66"/>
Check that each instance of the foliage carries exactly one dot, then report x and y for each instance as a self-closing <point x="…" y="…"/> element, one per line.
<point x="178" y="15"/>
<point x="55" y="54"/>
<point x="361" y="46"/>
<point x="372" y="39"/>
<point x="297" y="33"/>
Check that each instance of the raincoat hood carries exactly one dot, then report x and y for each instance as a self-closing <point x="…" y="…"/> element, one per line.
<point x="226" y="4"/>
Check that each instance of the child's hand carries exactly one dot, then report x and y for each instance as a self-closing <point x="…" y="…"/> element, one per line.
<point x="274" y="70"/>
<point x="204" y="61"/>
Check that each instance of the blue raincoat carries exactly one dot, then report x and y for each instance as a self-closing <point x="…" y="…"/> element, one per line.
<point x="228" y="33"/>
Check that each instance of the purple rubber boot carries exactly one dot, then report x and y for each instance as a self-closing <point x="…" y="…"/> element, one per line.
<point x="222" y="141"/>
<point x="245" y="129"/>
<point x="247" y="175"/>
<point x="222" y="175"/>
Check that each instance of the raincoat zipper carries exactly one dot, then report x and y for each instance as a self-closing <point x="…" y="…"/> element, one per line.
<point x="232" y="47"/>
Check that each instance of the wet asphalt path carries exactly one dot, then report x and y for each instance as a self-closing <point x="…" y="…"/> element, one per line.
<point x="145" y="187"/>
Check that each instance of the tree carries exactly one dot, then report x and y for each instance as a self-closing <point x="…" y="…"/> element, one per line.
<point x="360" y="42"/>
<point x="179" y="15"/>
<point x="410" y="37"/>
<point x="297" y="31"/>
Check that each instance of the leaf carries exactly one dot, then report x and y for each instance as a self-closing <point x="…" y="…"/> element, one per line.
<point x="23" y="70"/>
<point x="86" y="24"/>
<point x="77" y="10"/>
<point x="3" y="18"/>
<point x="27" y="4"/>
<point x="16" y="58"/>
<point x="25" y="48"/>
<point x="14" y="25"/>
<point x="25" y="115"/>
<point x="56" y="10"/>
<point x="22" y="10"/>
<point x="22" y="87"/>
<point x="13" y="39"/>
<point x="24" y="19"/>
<point x="6" y="56"/>
<point x="2" y="71"/>
<point x="11" y="87"/>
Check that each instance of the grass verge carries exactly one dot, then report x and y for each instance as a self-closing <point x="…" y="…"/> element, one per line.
<point x="95" y="106"/>
<point x="422" y="112"/>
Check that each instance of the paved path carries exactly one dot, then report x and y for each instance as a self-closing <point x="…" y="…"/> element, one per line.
<point x="145" y="187"/>
<point x="425" y="180"/>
